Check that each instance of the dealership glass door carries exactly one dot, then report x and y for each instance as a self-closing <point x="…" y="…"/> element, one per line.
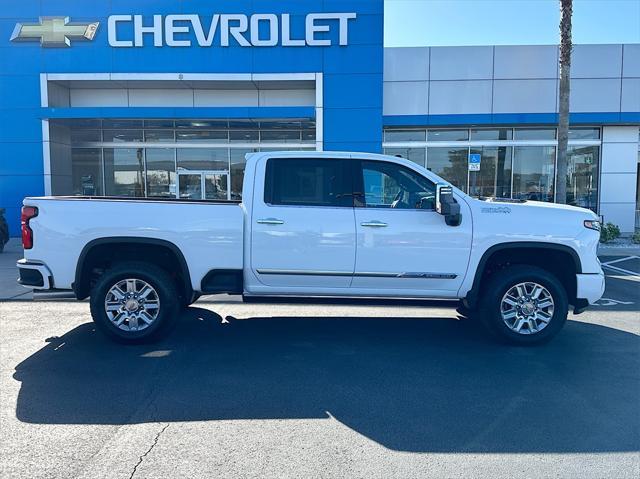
<point x="203" y="185"/>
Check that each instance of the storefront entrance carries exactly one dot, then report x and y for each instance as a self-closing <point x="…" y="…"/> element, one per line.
<point x="203" y="185"/>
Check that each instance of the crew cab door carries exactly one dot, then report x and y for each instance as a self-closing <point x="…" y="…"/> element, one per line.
<point x="302" y="225"/>
<point x="404" y="247"/>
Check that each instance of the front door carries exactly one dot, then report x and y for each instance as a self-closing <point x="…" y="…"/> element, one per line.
<point x="203" y="185"/>
<point x="403" y="245"/>
<point x="302" y="226"/>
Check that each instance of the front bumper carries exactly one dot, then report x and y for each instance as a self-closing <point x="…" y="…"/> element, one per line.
<point x="590" y="287"/>
<point x="34" y="275"/>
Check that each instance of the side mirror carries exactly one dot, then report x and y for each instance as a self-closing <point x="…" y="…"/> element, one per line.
<point x="447" y="206"/>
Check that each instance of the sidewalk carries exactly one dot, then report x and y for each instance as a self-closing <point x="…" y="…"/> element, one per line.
<point x="9" y="288"/>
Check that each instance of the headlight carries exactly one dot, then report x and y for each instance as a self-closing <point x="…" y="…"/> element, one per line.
<point x="592" y="224"/>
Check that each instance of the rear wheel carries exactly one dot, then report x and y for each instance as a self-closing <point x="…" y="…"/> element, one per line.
<point x="524" y="305"/>
<point x="135" y="302"/>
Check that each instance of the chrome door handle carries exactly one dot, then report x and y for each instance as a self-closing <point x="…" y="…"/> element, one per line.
<point x="374" y="224"/>
<point x="270" y="221"/>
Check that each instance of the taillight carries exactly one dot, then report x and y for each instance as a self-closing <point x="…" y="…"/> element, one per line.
<point x="27" y="213"/>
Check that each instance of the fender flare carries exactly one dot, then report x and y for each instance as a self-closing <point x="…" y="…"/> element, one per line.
<point x="82" y="291"/>
<point x="472" y="295"/>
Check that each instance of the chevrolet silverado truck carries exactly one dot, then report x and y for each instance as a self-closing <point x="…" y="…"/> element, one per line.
<point x="317" y="224"/>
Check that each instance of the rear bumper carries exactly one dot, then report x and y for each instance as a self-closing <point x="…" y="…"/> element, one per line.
<point x="34" y="275"/>
<point x="590" y="287"/>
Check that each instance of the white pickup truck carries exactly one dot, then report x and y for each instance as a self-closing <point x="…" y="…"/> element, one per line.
<point x="317" y="224"/>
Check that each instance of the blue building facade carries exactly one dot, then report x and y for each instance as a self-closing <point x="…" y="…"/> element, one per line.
<point x="165" y="97"/>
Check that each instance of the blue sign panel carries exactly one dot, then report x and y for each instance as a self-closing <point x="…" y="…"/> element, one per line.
<point x="474" y="161"/>
<point x="340" y="39"/>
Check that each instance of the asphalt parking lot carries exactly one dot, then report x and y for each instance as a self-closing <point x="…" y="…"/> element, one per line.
<point x="301" y="390"/>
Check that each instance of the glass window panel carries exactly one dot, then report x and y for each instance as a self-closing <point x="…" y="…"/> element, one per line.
<point x="494" y="177"/>
<point x="309" y="181"/>
<point x="121" y="124"/>
<point x="309" y="135"/>
<point x="196" y="136"/>
<point x="280" y="136"/>
<point x="124" y="171"/>
<point x="493" y="134"/>
<point x="238" y="164"/>
<point x="244" y="136"/>
<point x="535" y="134"/>
<point x="447" y="135"/>
<point x="417" y="155"/>
<point x="203" y="158"/>
<point x="204" y="124"/>
<point x="86" y="171"/>
<point x="166" y="124"/>
<point x="280" y="125"/>
<point x="533" y="171"/>
<point x="404" y="135"/>
<point x="388" y="185"/>
<point x="215" y="187"/>
<point x="121" y="136"/>
<point x="161" y="172"/>
<point x="244" y="124"/>
<point x="582" y="176"/>
<point x="76" y="123"/>
<point x="158" y="135"/>
<point x="450" y="164"/>
<point x="584" y="134"/>
<point x="85" y="136"/>
<point x="190" y="186"/>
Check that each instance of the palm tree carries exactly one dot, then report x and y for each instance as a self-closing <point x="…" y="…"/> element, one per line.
<point x="566" y="10"/>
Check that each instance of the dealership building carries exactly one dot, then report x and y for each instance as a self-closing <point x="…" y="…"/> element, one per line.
<point x="165" y="99"/>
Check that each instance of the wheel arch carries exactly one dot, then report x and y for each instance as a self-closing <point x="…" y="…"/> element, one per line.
<point x="516" y="251"/>
<point x="81" y="285"/>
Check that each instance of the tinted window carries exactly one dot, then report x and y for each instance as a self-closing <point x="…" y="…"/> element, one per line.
<point x="535" y="134"/>
<point x="447" y="135"/>
<point x="387" y="185"/>
<point x="308" y="182"/>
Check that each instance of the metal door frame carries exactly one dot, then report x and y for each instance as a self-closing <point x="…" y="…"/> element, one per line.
<point x="203" y="174"/>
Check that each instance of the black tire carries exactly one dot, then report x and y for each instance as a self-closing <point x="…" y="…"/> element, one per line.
<point x="164" y="287"/>
<point x="501" y="282"/>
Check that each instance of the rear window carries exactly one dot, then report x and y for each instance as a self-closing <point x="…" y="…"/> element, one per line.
<point x="308" y="182"/>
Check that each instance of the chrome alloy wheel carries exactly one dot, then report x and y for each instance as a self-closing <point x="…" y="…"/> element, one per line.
<point x="527" y="308"/>
<point x="132" y="305"/>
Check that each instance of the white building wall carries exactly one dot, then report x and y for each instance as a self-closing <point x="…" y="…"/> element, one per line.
<point x="619" y="166"/>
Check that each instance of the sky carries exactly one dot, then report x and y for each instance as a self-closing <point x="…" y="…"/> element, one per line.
<point x="507" y="22"/>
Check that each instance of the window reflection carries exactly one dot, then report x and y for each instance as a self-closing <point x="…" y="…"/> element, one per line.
<point x="450" y="164"/>
<point x="582" y="176"/>
<point x="124" y="171"/>
<point x="494" y="177"/>
<point x="533" y="170"/>
<point x="203" y="158"/>
<point x="161" y="172"/>
<point x="417" y="155"/>
<point x="86" y="171"/>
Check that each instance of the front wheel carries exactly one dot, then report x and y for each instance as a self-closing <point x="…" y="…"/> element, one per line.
<point x="524" y="305"/>
<point x="134" y="303"/>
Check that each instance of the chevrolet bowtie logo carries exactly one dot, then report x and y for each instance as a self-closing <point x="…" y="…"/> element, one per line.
<point x="54" y="31"/>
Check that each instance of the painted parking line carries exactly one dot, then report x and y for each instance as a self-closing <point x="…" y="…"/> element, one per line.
<point x="622" y="273"/>
<point x="611" y="302"/>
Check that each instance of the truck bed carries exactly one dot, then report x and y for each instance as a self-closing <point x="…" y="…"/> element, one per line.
<point x="209" y="233"/>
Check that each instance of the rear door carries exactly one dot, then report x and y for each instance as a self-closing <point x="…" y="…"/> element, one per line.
<point x="303" y="236"/>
